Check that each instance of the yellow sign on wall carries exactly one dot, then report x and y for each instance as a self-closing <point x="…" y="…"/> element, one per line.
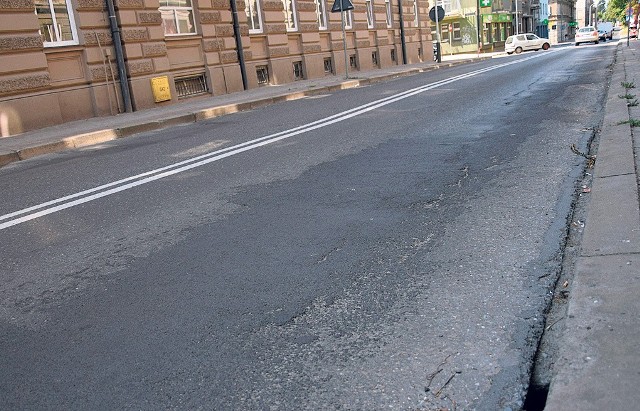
<point x="161" y="89"/>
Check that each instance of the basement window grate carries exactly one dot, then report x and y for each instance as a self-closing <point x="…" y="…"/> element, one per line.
<point x="262" y="72"/>
<point x="353" y="63"/>
<point x="191" y="86"/>
<point x="328" y="66"/>
<point x="298" y="73"/>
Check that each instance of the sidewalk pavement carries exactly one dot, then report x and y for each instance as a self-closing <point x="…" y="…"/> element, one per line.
<point x="599" y="363"/>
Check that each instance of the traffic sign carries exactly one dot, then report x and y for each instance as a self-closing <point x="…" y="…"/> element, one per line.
<point x="432" y="13"/>
<point x="346" y="5"/>
<point x="485" y="3"/>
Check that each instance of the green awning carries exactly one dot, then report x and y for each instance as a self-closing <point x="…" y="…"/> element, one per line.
<point x="496" y="18"/>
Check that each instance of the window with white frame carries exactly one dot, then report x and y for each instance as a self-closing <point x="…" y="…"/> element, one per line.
<point x="56" y="24"/>
<point x="177" y="17"/>
<point x="444" y="32"/>
<point x="254" y="16"/>
<point x="290" y="15"/>
<point x="370" y="17"/>
<point x="321" y="14"/>
<point x="348" y="19"/>
<point x="387" y="4"/>
<point x="457" y="35"/>
<point x="415" y="13"/>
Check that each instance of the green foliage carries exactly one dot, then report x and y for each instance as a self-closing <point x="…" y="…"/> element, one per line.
<point x="632" y="122"/>
<point x="617" y="9"/>
<point x="628" y="84"/>
<point x="628" y="96"/>
<point x="633" y="103"/>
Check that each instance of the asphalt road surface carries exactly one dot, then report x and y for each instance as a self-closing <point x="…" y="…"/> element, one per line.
<point x="387" y="247"/>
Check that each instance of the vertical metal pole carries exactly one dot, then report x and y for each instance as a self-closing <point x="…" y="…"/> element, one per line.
<point x="439" y="56"/>
<point x="117" y="44"/>
<point x="478" y="27"/>
<point x="402" y="40"/>
<point x="629" y="22"/>
<point x="236" y="34"/>
<point x="517" y="32"/>
<point x="344" y="42"/>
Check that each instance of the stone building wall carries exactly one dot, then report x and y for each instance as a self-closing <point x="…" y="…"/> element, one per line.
<point x="43" y="85"/>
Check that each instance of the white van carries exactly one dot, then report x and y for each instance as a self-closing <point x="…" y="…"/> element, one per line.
<point x="607" y="28"/>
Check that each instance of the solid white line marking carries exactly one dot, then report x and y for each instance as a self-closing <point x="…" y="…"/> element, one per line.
<point x="104" y="190"/>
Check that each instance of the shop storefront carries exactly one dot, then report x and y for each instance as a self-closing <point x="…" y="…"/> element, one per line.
<point x="496" y="28"/>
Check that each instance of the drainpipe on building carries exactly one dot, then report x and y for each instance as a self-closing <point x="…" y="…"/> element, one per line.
<point x="236" y="33"/>
<point x="402" y="40"/>
<point x="122" y="69"/>
<point x="478" y="18"/>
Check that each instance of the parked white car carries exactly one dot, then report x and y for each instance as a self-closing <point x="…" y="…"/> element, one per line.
<point x="527" y="41"/>
<point x="587" y="34"/>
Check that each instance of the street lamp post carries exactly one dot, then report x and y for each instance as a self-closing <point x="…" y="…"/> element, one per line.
<point x="517" y="23"/>
<point x="438" y="50"/>
<point x="478" y="33"/>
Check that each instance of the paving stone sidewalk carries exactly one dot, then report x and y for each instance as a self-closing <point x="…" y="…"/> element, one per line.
<point x="599" y="363"/>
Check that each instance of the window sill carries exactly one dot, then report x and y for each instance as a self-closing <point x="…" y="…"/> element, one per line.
<point x="182" y="36"/>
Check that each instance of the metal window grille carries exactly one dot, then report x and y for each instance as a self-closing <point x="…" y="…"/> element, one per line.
<point x="393" y="55"/>
<point x="374" y="58"/>
<point x="262" y="72"/>
<point x="298" y="74"/>
<point x="353" y="63"/>
<point x="190" y="86"/>
<point x="328" y="66"/>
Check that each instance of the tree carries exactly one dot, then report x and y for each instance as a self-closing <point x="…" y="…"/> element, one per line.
<point x="617" y="10"/>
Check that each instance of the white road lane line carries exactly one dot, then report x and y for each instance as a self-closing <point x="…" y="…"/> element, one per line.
<point x="104" y="190"/>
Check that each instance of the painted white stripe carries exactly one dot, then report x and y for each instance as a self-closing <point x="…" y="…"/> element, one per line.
<point x="104" y="190"/>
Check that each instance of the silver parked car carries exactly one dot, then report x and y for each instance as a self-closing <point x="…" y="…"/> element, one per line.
<point x="527" y="41"/>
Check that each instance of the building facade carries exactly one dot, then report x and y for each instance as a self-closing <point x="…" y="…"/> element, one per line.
<point x="497" y="20"/>
<point x="458" y="30"/>
<point x="562" y="21"/>
<point x="541" y="18"/>
<point x="502" y="18"/>
<point x="586" y="13"/>
<point x="59" y="61"/>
